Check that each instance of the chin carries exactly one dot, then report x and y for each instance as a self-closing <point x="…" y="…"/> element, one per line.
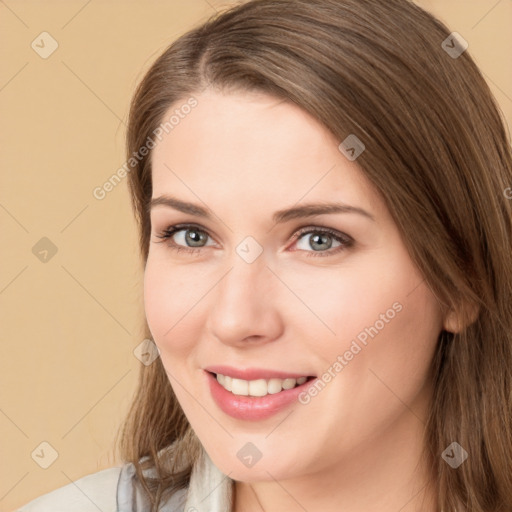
<point x="265" y="469"/>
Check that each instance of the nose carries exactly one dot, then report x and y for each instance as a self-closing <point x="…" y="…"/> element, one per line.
<point x="246" y="307"/>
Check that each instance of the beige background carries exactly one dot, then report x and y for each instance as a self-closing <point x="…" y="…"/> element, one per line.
<point x="70" y="324"/>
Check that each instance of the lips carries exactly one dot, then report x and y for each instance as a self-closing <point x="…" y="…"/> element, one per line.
<point x="254" y="408"/>
<point x="254" y="373"/>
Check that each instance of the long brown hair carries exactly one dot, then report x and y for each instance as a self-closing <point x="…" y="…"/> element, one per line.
<point x="437" y="151"/>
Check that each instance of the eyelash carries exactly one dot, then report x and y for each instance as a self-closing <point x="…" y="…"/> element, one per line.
<point x="344" y="239"/>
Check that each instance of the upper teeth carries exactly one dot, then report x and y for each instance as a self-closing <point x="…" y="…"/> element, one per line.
<point x="260" y="387"/>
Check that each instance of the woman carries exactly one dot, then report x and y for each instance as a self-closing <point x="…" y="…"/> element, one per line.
<point x="323" y="194"/>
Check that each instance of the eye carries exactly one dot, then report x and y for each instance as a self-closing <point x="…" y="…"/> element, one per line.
<point x="322" y="239"/>
<point x="196" y="237"/>
<point x="191" y="239"/>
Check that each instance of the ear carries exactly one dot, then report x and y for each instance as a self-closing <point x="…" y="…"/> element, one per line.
<point x="457" y="321"/>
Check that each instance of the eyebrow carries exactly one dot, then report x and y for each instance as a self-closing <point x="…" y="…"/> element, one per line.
<point x="295" y="212"/>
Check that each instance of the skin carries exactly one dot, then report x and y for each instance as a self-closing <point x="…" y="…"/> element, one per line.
<point x="356" y="445"/>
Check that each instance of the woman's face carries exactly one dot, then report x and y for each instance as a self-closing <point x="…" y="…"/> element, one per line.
<point x="268" y="293"/>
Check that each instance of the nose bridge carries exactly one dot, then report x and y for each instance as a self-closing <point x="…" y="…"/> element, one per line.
<point x="244" y="284"/>
<point x="244" y="302"/>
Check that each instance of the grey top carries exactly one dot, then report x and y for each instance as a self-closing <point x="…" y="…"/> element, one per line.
<point x="118" y="489"/>
<point x="209" y="491"/>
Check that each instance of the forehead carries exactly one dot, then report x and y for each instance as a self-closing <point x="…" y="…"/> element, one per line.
<point x="254" y="147"/>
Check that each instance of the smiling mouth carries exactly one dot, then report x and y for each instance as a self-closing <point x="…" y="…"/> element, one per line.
<point x="258" y="387"/>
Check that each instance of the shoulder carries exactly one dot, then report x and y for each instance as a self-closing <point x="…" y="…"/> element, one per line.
<point x="89" y="493"/>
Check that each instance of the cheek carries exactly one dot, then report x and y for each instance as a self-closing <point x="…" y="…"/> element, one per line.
<point x="169" y="302"/>
<point x="408" y="345"/>
<point x="348" y="301"/>
<point x="387" y="322"/>
<point x="376" y="306"/>
<point x="170" y="295"/>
